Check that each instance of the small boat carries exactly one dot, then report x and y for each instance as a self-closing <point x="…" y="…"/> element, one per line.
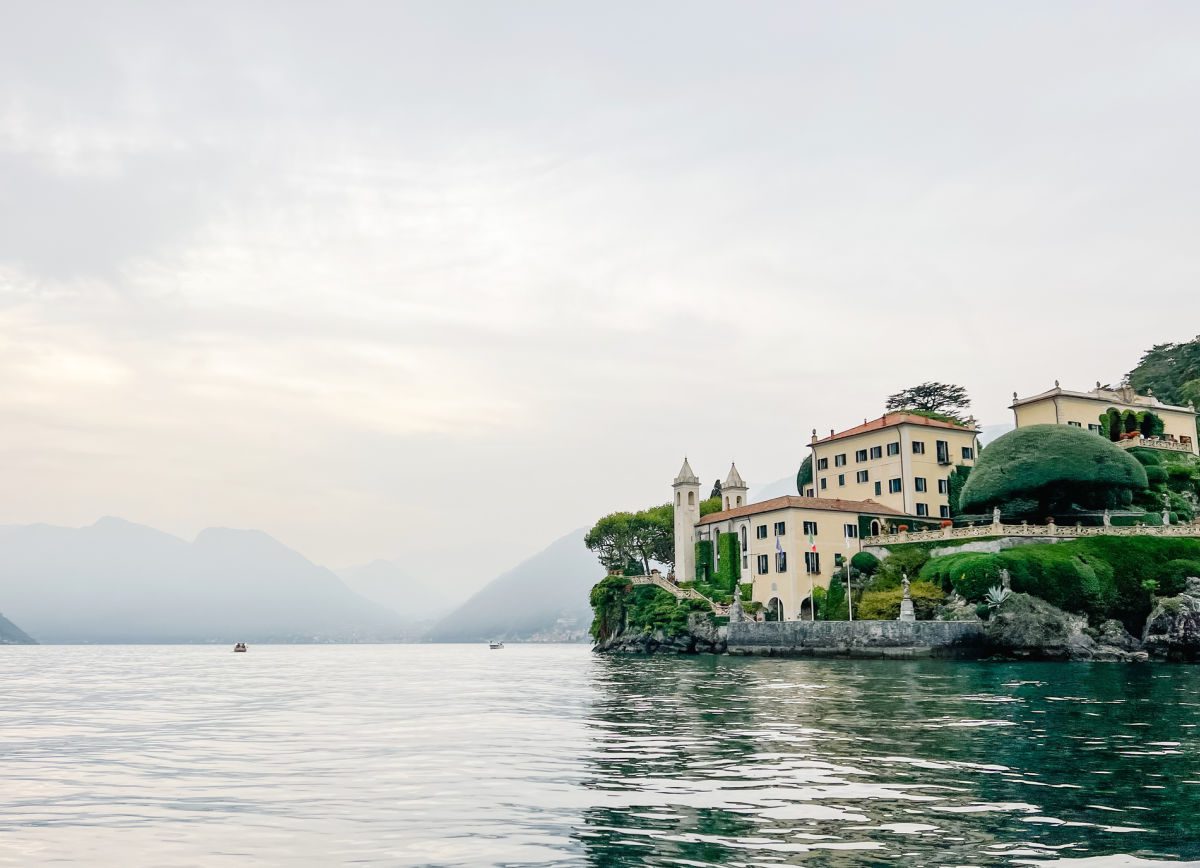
<point x="495" y="645"/>
<point x="240" y="646"/>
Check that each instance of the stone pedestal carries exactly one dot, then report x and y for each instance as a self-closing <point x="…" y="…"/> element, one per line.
<point x="906" y="611"/>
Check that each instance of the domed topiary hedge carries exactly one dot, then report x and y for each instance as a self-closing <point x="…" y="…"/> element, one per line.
<point x="1056" y="466"/>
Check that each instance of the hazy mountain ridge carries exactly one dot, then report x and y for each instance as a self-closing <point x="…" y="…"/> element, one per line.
<point x="11" y="634"/>
<point x="414" y="599"/>
<point x="544" y="598"/>
<point x="116" y="581"/>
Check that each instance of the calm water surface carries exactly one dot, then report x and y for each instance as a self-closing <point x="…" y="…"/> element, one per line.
<point x="548" y="755"/>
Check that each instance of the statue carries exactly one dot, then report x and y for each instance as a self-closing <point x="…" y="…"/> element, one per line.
<point x="1107" y="518"/>
<point x="907" y="613"/>
<point x="996" y="515"/>
<point x="1166" y="515"/>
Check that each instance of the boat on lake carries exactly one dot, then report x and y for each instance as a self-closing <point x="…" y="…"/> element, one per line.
<point x="240" y="646"/>
<point x="495" y="645"/>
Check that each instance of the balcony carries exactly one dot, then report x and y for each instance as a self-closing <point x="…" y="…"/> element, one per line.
<point x="1167" y="444"/>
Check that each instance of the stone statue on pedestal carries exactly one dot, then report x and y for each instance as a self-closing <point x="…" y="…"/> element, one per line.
<point x="996" y="515"/>
<point x="1166" y="508"/>
<point x="1107" y="518"/>
<point x="906" y="604"/>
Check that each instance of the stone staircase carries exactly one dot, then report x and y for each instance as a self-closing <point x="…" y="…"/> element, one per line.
<point x="679" y="593"/>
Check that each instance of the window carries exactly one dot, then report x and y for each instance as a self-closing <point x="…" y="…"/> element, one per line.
<point x="822" y="464"/>
<point x="860" y="456"/>
<point x="824" y="483"/>
<point x="919" y="483"/>
<point x="893" y="486"/>
<point x="922" y="509"/>
<point x="876" y="451"/>
<point x="812" y="562"/>
<point x="1096" y="429"/>
<point x="839" y="460"/>
<point x="944" y="511"/>
<point x="968" y="453"/>
<point x="761" y="531"/>
<point x="744" y="540"/>
<point x="780" y="528"/>
<point x="918" y="447"/>
<point x="841" y="479"/>
<point x="850" y="531"/>
<point x="691" y="498"/>
<point x="746" y="562"/>
<point x="879" y="488"/>
<point x="893" y="448"/>
<point x="810" y="528"/>
<point x="810" y="493"/>
<point x="943" y="452"/>
<point x="943" y="486"/>
<point x="781" y="562"/>
<point x="861" y="476"/>
<point x="763" y="564"/>
<point x="1075" y="424"/>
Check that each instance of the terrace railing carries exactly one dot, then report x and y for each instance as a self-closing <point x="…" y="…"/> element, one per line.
<point x="1049" y="530"/>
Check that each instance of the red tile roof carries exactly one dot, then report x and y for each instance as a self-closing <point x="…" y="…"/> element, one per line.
<point x="889" y="420"/>
<point x="864" y="507"/>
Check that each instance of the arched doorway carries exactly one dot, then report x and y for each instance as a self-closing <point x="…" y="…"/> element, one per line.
<point x="875" y="527"/>
<point x="774" y="611"/>
<point x="806" y="609"/>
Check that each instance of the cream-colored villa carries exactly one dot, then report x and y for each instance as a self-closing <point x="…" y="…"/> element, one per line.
<point x="1059" y="406"/>
<point x="789" y="546"/>
<point x="900" y="460"/>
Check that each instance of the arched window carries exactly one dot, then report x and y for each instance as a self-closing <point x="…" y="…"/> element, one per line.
<point x="739" y="500"/>
<point x="691" y="498"/>
<point x="727" y="501"/>
<point x="678" y="499"/>
<point x="743" y="537"/>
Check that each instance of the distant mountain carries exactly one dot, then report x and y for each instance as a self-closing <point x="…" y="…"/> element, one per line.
<point x="121" y="582"/>
<point x="542" y="599"/>
<point x="390" y="585"/>
<point x="11" y="634"/>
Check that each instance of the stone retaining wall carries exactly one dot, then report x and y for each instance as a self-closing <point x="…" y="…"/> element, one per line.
<point x="857" y="638"/>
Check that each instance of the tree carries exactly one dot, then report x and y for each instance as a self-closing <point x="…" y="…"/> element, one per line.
<point x="716" y="490"/>
<point x="1055" y="468"/>
<point x="611" y="539"/>
<point x="835" y="608"/>
<point x="942" y="399"/>
<point x="1172" y="371"/>
<point x="652" y="536"/>
<point x="957" y="481"/>
<point x="804" y="477"/>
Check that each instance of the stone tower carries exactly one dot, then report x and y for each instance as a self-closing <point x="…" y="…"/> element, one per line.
<point x="687" y="513"/>
<point x="734" y="490"/>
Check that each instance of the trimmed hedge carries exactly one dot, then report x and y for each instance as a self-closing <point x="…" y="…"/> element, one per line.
<point x="970" y="574"/>
<point x="729" y="570"/>
<point x="704" y="560"/>
<point x="885" y="605"/>
<point x="866" y="563"/>
<point x="1056" y="465"/>
<point x="1175" y="574"/>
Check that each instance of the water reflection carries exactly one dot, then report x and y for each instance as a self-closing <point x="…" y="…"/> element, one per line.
<point x="730" y="761"/>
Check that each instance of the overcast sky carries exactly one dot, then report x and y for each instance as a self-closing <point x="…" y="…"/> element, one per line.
<point x="444" y="281"/>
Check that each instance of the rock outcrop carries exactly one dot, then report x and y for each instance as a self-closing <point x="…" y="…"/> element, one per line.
<point x="1028" y="628"/>
<point x="702" y="636"/>
<point x="1173" y="628"/>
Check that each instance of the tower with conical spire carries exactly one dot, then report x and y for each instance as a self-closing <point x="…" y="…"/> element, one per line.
<point x="687" y="513"/>
<point x="734" y="489"/>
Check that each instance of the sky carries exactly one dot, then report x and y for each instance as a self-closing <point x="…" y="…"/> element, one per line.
<point x="440" y="282"/>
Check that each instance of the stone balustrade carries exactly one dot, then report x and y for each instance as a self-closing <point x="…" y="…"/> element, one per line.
<point x="1184" y="445"/>
<point x="660" y="581"/>
<point x="1051" y="530"/>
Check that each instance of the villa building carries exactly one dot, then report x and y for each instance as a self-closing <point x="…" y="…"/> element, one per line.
<point x="1059" y="406"/>
<point x="788" y="546"/>
<point x="901" y="461"/>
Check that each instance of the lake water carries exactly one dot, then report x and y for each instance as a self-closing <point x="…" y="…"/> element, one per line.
<point x="549" y="755"/>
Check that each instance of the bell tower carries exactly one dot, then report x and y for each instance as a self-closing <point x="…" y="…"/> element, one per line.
<point x="734" y="491"/>
<point x="687" y="513"/>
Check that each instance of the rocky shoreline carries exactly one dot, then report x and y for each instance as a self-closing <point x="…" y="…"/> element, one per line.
<point x="1022" y="628"/>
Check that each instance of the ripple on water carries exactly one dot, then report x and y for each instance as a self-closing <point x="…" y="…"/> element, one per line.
<point x="451" y="755"/>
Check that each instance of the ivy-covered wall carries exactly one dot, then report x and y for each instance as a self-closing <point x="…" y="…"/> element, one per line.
<point x="729" y="562"/>
<point x="704" y="560"/>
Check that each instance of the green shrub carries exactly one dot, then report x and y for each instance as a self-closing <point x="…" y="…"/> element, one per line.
<point x="1148" y="457"/>
<point x="1181" y="473"/>
<point x="704" y="560"/>
<point x="908" y="559"/>
<point x="1056" y="465"/>
<point x="866" y="563"/>
<point x="1155" y="475"/>
<point x="804" y="477"/>
<point x="1062" y="576"/>
<point x="836" y="607"/>
<point x="1174" y="575"/>
<point x="970" y="574"/>
<point x="747" y="591"/>
<point x="819" y="612"/>
<point x="885" y="605"/>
